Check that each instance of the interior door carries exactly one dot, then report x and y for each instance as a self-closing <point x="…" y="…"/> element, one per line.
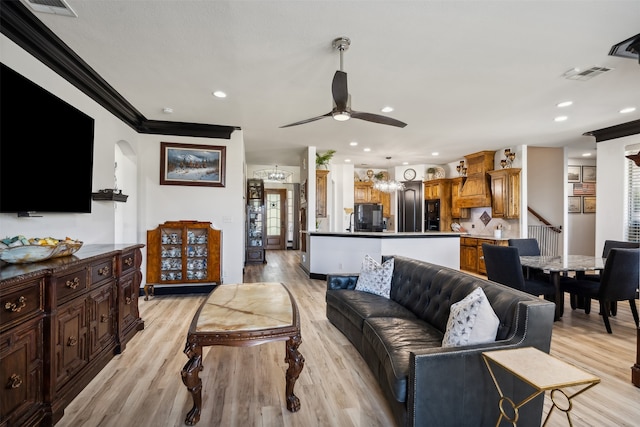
<point x="276" y="210"/>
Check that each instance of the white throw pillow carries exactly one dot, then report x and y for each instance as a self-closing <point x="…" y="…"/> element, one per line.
<point x="374" y="277"/>
<point x="471" y="321"/>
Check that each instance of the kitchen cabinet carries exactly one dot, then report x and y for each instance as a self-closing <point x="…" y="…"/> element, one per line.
<point x="363" y="192"/>
<point x="321" y="193"/>
<point x="456" y="188"/>
<point x="182" y="252"/>
<point x="505" y="190"/>
<point x="255" y="242"/>
<point x="471" y="256"/>
<point x="60" y="325"/>
<point x="440" y="189"/>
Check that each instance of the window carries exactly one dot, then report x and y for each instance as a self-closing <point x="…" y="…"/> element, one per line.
<point x="632" y="226"/>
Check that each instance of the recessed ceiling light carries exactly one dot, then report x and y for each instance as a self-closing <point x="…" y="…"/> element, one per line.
<point x="387" y="109"/>
<point x="347" y="160"/>
<point x="628" y="110"/>
<point x="560" y="119"/>
<point x="167" y="110"/>
<point x="564" y="104"/>
<point x="405" y="163"/>
<point x="353" y="143"/>
<point x="219" y="94"/>
<point x="367" y="149"/>
<point x="586" y="154"/>
<point x="435" y="153"/>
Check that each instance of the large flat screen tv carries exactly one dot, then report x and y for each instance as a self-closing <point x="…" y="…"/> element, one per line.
<point x="46" y="150"/>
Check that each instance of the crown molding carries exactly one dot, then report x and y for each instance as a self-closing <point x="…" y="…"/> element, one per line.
<point x="23" y="28"/>
<point x="617" y="131"/>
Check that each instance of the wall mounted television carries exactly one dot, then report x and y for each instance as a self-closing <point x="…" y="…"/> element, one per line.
<point x="46" y="150"/>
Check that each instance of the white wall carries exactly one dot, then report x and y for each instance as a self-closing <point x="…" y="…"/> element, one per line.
<point x="610" y="188"/>
<point x="149" y="203"/>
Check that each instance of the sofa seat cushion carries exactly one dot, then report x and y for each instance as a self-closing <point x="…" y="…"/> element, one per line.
<point x="388" y="343"/>
<point x="357" y="306"/>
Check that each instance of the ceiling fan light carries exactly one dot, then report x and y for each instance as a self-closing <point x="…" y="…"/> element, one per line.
<point x="341" y="116"/>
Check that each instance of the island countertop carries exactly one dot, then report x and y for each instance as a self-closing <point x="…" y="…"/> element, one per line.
<point x="386" y="234"/>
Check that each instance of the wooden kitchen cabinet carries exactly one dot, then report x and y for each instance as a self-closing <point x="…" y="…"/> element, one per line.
<point x="321" y="193"/>
<point x="505" y="190"/>
<point x="471" y="255"/>
<point x="61" y="325"/>
<point x="363" y="192"/>
<point x="456" y="188"/>
<point x="183" y="252"/>
<point x="440" y="189"/>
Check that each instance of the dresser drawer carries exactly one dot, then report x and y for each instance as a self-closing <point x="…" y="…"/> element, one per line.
<point x="20" y="303"/>
<point x="69" y="285"/>
<point x="128" y="262"/>
<point x="102" y="270"/>
<point x="468" y="241"/>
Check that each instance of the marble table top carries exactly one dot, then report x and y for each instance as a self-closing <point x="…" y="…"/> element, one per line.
<point x="246" y="307"/>
<point x="563" y="263"/>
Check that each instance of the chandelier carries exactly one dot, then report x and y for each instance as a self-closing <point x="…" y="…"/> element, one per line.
<point x="273" y="175"/>
<point x="387" y="185"/>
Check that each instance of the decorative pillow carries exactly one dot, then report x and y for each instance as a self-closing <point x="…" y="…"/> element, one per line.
<point x="471" y="321"/>
<point x="374" y="277"/>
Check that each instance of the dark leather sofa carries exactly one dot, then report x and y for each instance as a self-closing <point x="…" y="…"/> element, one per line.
<point x="400" y="340"/>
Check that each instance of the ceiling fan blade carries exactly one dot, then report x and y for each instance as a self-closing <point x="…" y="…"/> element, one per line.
<point x="376" y="118"/>
<point x="301" y="122"/>
<point x="339" y="90"/>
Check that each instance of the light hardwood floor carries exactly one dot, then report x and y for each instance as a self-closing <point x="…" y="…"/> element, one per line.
<point x="245" y="386"/>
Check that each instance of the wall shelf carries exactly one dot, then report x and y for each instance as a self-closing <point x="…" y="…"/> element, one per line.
<point x="109" y="194"/>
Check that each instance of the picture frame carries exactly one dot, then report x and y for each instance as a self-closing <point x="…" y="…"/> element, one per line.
<point x="574" y="204"/>
<point x="588" y="204"/>
<point x="584" y="189"/>
<point x="192" y="164"/>
<point x="588" y="174"/>
<point x="574" y="173"/>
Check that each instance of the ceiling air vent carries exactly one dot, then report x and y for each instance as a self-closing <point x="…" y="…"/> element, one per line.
<point x="57" y="7"/>
<point x="588" y="74"/>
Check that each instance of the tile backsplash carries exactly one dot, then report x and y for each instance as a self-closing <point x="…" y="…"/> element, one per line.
<point x="481" y="223"/>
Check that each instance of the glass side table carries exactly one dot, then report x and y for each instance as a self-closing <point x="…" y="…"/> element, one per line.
<point x="542" y="372"/>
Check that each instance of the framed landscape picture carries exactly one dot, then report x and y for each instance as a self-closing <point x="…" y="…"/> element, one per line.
<point x="191" y="164"/>
<point x="573" y="173"/>
<point x="588" y="174"/>
<point x="574" y="205"/>
<point x="588" y="204"/>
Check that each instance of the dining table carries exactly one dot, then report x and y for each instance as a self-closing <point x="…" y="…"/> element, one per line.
<point x="560" y="265"/>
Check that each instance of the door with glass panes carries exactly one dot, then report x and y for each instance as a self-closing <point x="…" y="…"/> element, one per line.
<point x="276" y="211"/>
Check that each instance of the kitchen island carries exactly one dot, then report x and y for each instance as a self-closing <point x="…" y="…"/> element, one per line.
<point x="329" y="252"/>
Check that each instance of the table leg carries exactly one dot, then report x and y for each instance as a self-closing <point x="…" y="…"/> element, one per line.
<point x="296" y="363"/>
<point x="559" y="300"/>
<point x="192" y="381"/>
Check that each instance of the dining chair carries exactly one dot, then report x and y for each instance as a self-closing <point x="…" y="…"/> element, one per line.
<point x="619" y="282"/>
<point x="608" y="245"/>
<point x="503" y="266"/>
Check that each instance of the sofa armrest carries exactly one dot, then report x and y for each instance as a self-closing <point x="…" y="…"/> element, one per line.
<point x="341" y="281"/>
<point x="451" y="386"/>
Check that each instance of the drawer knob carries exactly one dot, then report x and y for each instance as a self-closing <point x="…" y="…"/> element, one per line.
<point x="17" y="306"/>
<point x="72" y="284"/>
<point x="129" y="261"/>
<point x="104" y="271"/>
<point x="14" y="381"/>
<point x="72" y="341"/>
<point x="127" y="300"/>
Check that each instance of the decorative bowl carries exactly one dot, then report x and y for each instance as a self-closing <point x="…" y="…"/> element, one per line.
<point x="35" y="253"/>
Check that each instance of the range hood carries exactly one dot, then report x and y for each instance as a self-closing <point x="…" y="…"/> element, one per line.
<point x="476" y="191"/>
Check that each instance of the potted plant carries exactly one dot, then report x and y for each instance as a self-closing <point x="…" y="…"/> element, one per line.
<point x="323" y="159"/>
<point x="431" y="172"/>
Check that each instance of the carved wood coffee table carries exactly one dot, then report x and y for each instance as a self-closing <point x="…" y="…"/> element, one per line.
<point x="243" y="315"/>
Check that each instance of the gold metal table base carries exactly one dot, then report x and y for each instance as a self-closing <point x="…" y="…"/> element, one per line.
<point x="542" y="372"/>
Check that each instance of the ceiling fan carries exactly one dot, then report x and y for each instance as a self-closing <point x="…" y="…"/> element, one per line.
<point x="342" y="100"/>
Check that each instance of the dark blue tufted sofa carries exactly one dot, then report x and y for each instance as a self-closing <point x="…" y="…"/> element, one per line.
<point x="400" y="340"/>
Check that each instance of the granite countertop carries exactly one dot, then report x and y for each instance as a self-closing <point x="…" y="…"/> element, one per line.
<point x="484" y="236"/>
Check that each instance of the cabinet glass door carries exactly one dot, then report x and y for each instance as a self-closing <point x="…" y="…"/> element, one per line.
<point x="197" y="253"/>
<point x="171" y="254"/>
<point x="256" y="226"/>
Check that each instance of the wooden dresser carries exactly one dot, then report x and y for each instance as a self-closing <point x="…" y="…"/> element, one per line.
<point x="62" y="321"/>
